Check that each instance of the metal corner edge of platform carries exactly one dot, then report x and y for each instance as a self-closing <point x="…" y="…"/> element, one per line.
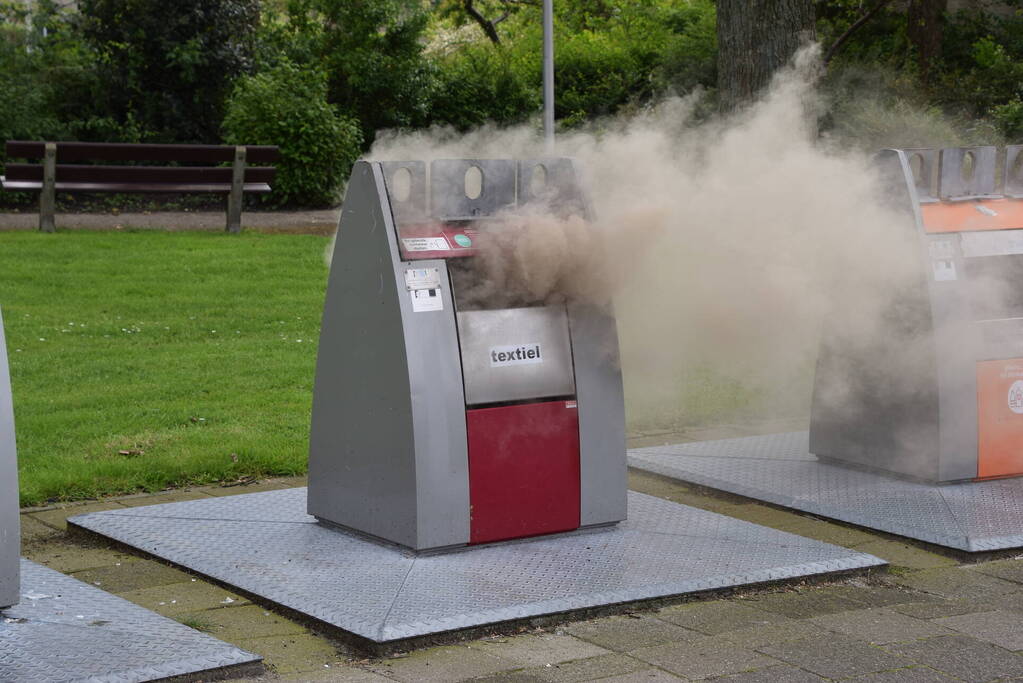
<point x="138" y="645"/>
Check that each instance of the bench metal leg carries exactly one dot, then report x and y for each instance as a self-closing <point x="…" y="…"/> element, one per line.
<point x="234" y="200"/>
<point x="48" y="194"/>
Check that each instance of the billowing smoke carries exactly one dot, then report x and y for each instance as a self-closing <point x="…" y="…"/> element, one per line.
<point x="721" y="244"/>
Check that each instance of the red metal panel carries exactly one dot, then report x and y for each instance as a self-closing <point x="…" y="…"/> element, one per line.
<point x="435" y="240"/>
<point x="523" y="470"/>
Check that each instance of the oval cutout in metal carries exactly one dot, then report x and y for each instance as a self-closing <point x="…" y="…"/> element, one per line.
<point x="538" y="180"/>
<point x="401" y="184"/>
<point x="916" y="164"/>
<point x="473" y="182"/>
<point x="969" y="167"/>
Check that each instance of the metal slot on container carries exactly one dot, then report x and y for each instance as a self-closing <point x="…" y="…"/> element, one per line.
<point x="967" y="173"/>
<point x="515" y="354"/>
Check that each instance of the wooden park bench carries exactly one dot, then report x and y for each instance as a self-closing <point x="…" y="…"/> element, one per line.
<point x="58" y="167"/>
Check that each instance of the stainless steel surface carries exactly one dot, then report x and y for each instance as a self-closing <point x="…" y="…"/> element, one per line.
<point x="10" y="528"/>
<point x="924" y="163"/>
<point x="388" y="451"/>
<point x="991" y="243"/>
<point x="515" y="354"/>
<point x="779" y="469"/>
<point x="604" y="478"/>
<point x="559" y="194"/>
<point x="387" y="445"/>
<point x="448" y="198"/>
<point x="1013" y="171"/>
<point x="69" y="631"/>
<point x="410" y="207"/>
<point x="957" y="180"/>
<point x="263" y="543"/>
<point x="909" y="397"/>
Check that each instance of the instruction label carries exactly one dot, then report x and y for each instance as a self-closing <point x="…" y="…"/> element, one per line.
<point x="424" y="300"/>
<point x="425" y="244"/>
<point x="422" y="278"/>
<point x="944" y="270"/>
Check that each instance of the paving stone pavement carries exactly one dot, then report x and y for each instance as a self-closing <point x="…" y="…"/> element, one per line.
<point x="930" y="618"/>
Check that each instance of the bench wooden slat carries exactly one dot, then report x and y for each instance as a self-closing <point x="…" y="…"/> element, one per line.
<point x="136" y="175"/>
<point x="34" y="186"/>
<point x="119" y="151"/>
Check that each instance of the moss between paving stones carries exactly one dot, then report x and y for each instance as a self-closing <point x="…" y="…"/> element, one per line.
<point x="588" y="669"/>
<point x="718" y="616"/>
<point x="57" y="517"/>
<point x="295" y="653"/>
<point x="131" y="575"/>
<point x="448" y="663"/>
<point x="67" y="557"/>
<point x="192" y="596"/>
<point x="905" y="555"/>
<point x="628" y="632"/>
<point x="703" y="658"/>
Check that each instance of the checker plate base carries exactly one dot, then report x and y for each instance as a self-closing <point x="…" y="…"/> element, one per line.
<point x="265" y="544"/>
<point x="779" y="468"/>
<point x="71" y="631"/>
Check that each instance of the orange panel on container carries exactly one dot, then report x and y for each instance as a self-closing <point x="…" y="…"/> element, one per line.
<point x="1000" y="417"/>
<point x="971" y="215"/>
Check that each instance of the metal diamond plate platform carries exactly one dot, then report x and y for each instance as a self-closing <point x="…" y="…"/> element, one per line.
<point x="779" y="468"/>
<point x="265" y="544"/>
<point x="66" y="630"/>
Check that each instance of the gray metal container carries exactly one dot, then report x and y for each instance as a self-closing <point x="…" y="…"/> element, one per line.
<point x="906" y="399"/>
<point x="10" y="529"/>
<point x="399" y="365"/>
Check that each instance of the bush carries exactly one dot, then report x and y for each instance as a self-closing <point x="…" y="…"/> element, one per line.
<point x="482" y="83"/>
<point x="287" y="106"/>
<point x="689" y="59"/>
<point x="372" y="53"/>
<point x="1009" y="119"/>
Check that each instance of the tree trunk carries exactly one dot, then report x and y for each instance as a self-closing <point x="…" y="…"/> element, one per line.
<point x="755" y="39"/>
<point x="923" y="28"/>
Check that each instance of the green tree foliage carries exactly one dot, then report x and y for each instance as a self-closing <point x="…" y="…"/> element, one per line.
<point x="608" y="55"/>
<point x="47" y="80"/>
<point x="977" y="75"/>
<point x="287" y="106"/>
<point x="372" y="53"/>
<point x="481" y="84"/>
<point x="168" y="66"/>
<point x="25" y="108"/>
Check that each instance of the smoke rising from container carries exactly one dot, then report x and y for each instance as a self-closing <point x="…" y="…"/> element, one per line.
<point x="722" y="246"/>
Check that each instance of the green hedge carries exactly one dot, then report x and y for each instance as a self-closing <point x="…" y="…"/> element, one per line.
<point x="287" y="106"/>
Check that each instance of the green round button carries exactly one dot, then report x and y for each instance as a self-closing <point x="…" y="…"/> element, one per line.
<point x="463" y="240"/>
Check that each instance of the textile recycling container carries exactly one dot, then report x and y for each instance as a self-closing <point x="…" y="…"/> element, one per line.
<point x="443" y="417"/>
<point x="937" y="394"/>
<point x="10" y="529"/>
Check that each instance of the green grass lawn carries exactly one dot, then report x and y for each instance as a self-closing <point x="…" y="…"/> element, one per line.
<point x="142" y="360"/>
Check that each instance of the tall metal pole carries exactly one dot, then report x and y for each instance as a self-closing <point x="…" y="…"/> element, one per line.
<point x="548" y="74"/>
